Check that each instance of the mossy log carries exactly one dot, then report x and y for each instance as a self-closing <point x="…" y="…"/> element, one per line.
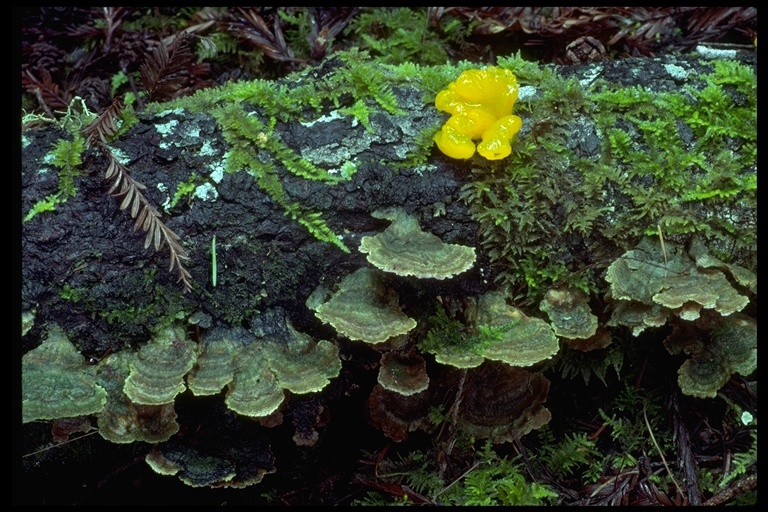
<point x="275" y="171"/>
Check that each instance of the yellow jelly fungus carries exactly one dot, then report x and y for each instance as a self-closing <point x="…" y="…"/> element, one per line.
<point x="480" y="102"/>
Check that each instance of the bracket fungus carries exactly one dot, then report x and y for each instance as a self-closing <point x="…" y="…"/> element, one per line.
<point x="192" y="468"/>
<point x="573" y="320"/>
<point x="234" y="457"/>
<point x="501" y="402"/>
<point x="157" y="373"/>
<point x="301" y="364"/>
<point x="648" y="288"/>
<point x="520" y="340"/>
<point x="396" y="414"/>
<point x="121" y="420"/>
<point x="501" y="333"/>
<point x="254" y="390"/>
<point x="404" y="374"/>
<point x="404" y="249"/>
<point x="215" y="366"/>
<point x="569" y="312"/>
<point x="365" y="309"/>
<point x="730" y="347"/>
<point x="56" y="382"/>
<point x="257" y="369"/>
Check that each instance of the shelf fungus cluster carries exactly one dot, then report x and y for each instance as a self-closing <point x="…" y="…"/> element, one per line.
<point x="497" y="398"/>
<point x="730" y="347"/>
<point x="496" y="401"/>
<point x="132" y="393"/>
<point x="404" y="249"/>
<point x="365" y="309"/>
<point x="257" y="372"/>
<point x="504" y="334"/>
<point x="572" y="319"/>
<point x="650" y="284"/>
<point x="701" y="297"/>
<point x="234" y="456"/>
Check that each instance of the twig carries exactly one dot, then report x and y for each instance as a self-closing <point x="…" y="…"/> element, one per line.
<point x="441" y="491"/>
<point x="685" y="455"/>
<point x="663" y="249"/>
<point x="658" y="448"/>
<point x="60" y="444"/>
<point x="745" y="484"/>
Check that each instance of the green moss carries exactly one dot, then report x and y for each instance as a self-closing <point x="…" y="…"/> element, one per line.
<point x="491" y="480"/>
<point x="446" y="334"/>
<point x="70" y="293"/>
<point x="185" y="189"/>
<point x="67" y="157"/>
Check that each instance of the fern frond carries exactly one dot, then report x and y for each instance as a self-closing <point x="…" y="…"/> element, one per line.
<point x="741" y="462"/>
<point x="315" y="224"/>
<point x="161" y="70"/>
<point x="146" y="216"/>
<point x="271" y="41"/>
<point x="106" y="125"/>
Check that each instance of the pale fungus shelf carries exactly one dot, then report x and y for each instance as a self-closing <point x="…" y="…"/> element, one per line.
<point x="519" y="340"/>
<point x="404" y="249"/>
<point x="650" y="284"/>
<point x="254" y="390"/>
<point x="365" y="309"/>
<point x="403" y="374"/>
<point x="569" y="312"/>
<point x="301" y="364"/>
<point x="157" y="373"/>
<point x="121" y="420"/>
<point x="257" y="369"/>
<point x="730" y="347"/>
<point x="498" y="332"/>
<point x="56" y="382"/>
<point x="215" y="367"/>
<point x="572" y="319"/>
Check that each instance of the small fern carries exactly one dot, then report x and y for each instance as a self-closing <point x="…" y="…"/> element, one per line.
<point x="315" y="224"/>
<point x="574" y="451"/>
<point x="67" y="156"/>
<point x="500" y="483"/>
<point x="490" y="480"/>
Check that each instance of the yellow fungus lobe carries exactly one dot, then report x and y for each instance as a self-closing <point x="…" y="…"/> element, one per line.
<point x="480" y="102"/>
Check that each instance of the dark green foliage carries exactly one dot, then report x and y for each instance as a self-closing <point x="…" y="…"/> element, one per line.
<point x="489" y="479"/>
<point x="403" y="34"/>
<point x="574" y="454"/>
<point x="255" y="146"/>
<point x="246" y="132"/>
<point x="451" y="333"/>
<point x="576" y="363"/>
<point x="719" y="155"/>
